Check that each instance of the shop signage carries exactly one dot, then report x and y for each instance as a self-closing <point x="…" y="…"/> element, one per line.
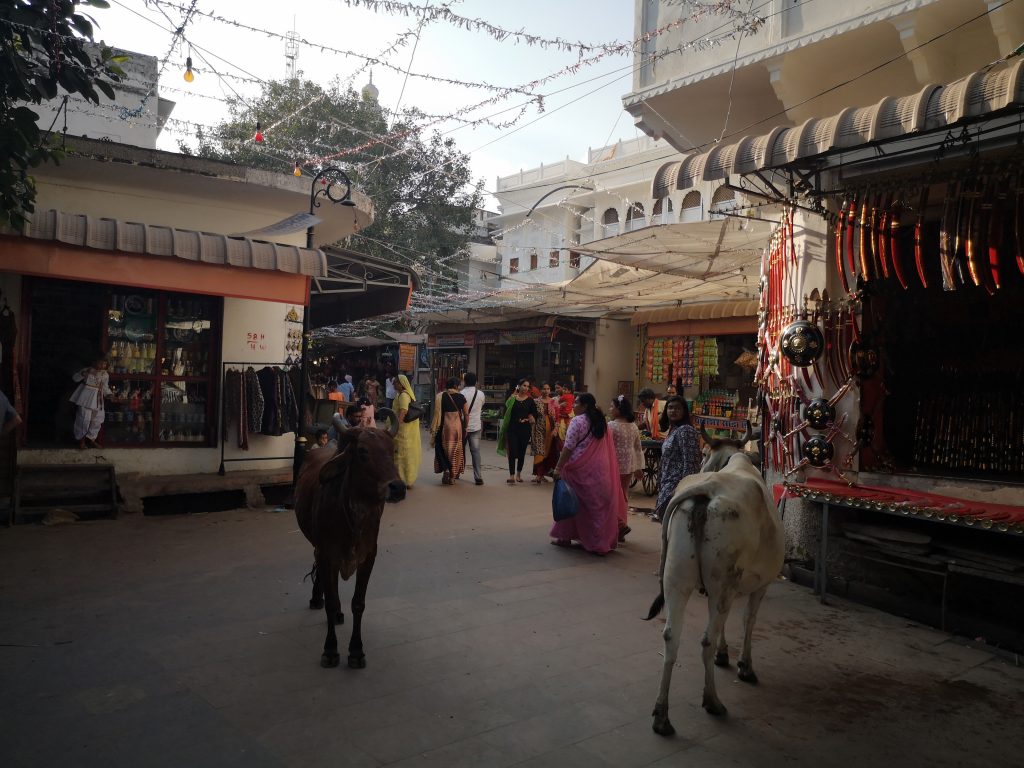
<point x="487" y="337"/>
<point x="525" y="336"/>
<point x="406" y="357"/>
<point x="451" y="340"/>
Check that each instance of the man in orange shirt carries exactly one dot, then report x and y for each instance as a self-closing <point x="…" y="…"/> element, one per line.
<point x="648" y="414"/>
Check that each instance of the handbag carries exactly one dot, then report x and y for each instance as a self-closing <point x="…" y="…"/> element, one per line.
<point x="564" y="503"/>
<point x="414" y="412"/>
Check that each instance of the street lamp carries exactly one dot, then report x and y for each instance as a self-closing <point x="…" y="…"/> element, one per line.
<point x="334" y="185"/>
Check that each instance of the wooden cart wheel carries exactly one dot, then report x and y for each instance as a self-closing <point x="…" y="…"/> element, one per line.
<point x="651" y="470"/>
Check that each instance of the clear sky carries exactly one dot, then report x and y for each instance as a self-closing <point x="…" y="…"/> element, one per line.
<point x="582" y="110"/>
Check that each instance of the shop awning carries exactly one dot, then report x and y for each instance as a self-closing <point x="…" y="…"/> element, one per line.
<point x="719" y="253"/>
<point x="606" y="289"/>
<point x="712" y="310"/>
<point x="357" y="286"/>
<point x="154" y="240"/>
<point x="933" y="108"/>
<point x="344" y="285"/>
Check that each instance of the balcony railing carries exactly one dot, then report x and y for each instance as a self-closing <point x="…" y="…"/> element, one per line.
<point x="610" y="230"/>
<point x="636" y="223"/>
<point x="662" y="218"/>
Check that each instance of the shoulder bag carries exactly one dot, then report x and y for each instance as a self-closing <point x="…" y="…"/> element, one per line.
<point x="414" y="412"/>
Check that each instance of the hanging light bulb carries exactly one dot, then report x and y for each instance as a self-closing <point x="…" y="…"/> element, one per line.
<point x="297" y="171"/>
<point x="189" y="77"/>
<point x="258" y="138"/>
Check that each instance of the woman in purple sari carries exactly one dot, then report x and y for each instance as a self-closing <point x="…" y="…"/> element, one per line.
<point x="589" y="466"/>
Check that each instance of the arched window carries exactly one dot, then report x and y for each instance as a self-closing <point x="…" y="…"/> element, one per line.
<point x="691" y="208"/>
<point x="723" y="200"/>
<point x="610" y="223"/>
<point x="635" y="218"/>
<point x="662" y="211"/>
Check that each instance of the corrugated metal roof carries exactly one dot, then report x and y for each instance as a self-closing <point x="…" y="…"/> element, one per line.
<point x="155" y="240"/>
<point x="934" y="107"/>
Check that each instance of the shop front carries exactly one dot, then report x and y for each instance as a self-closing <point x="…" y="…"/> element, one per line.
<point x="531" y="353"/>
<point x="202" y="333"/>
<point x="706" y="352"/>
<point x="889" y="349"/>
<point x="501" y="356"/>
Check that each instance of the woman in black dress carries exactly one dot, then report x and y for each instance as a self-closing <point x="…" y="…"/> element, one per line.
<point x="516" y="429"/>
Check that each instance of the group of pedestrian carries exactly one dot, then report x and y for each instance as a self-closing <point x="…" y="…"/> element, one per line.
<point x="535" y="418"/>
<point x="367" y="391"/>
<point x="570" y="438"/>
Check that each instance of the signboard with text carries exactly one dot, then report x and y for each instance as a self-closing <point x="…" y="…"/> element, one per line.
<point x="406" y="357"/>
<point x="451" y="340"/>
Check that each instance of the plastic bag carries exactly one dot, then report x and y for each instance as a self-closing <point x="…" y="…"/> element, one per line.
<point x="564" y="503"/>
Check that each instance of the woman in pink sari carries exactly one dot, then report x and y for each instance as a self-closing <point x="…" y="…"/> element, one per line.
<point x="589" y="466"/>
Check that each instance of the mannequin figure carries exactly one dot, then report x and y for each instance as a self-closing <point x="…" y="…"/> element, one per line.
<point x="94" y="384"/>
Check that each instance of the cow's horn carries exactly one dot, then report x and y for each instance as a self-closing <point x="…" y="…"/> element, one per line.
<point x="339" y="423"/>
<point x="392" y="418"/>
<point x="747" y="434"/>
<point x="705" y="435"/>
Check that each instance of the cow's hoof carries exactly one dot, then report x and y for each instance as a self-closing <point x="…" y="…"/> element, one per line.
<point x="357" y="662"/>
<point x="721" y="659"/>
<point x="328" y="660"/>
<point x="745" y="673"/>
<point x="316" y="605"/>
<point x="661" y="724"/>
<point x="340" y="618"/>
<point x="663" y="727"/>
<point x="714" y="707"/>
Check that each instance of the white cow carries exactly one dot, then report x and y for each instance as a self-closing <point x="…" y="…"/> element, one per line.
<point x="721" y="534"/>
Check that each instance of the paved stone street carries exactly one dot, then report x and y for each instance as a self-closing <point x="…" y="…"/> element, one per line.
<point x="187" y="641"/>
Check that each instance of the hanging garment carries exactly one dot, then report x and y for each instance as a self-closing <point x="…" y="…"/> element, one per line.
<point x="253" y="401"/>
<point x="269" y="387"/>
<point x="289" y="408"/>
<point x="234" y="407"/>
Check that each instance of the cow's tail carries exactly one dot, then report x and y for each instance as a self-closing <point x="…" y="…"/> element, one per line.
<point x="696" y="529"/>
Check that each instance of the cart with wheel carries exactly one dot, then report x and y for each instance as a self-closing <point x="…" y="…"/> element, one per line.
<point x="651" y="469"/>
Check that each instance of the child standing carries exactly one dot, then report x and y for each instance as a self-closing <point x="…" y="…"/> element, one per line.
<point x="95" y="383"/>
<point x="628" y="450"/>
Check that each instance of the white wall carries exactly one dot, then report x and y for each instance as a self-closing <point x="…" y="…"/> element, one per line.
<point x="131" y="118"/>
<point x="256" y="332"/>
<point x="610" y="358"/>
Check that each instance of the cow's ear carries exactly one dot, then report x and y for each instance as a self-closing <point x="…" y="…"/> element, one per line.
<point x="334" y="468"/>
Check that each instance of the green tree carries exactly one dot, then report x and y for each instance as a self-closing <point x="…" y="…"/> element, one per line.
<point x="46" y="45"/>
<point x="420" y="185"/>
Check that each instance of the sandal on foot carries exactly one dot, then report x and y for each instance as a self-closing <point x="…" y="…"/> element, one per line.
<point x="511" y="481"/>
<point x="561" y="543"/>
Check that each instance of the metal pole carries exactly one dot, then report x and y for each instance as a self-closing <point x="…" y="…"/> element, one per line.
<point x="328" y="182"/>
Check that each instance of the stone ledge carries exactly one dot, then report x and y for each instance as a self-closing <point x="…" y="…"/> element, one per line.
<point x="135" y="486"/>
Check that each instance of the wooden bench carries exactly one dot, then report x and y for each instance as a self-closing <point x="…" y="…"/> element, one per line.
<point x="78" y="488"/>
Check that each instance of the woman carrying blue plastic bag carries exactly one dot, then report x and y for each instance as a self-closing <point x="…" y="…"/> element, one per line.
<point x="588" y="464"/>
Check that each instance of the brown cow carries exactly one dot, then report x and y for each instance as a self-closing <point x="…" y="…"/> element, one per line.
<point x="339" y="500"/>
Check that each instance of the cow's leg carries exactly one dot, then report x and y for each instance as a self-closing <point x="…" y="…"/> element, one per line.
<point x="356" y="658"/>
<point x="718" y="610"/>
<point x="745" y="665"/>
<point x="675" y="605"/>
<point x="722" y="651"/>
<point x="332" y="607"/>
<point x="316" y="599"/>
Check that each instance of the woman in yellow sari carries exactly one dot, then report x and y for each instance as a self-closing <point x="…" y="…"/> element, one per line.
<point x="408" y="448"/>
